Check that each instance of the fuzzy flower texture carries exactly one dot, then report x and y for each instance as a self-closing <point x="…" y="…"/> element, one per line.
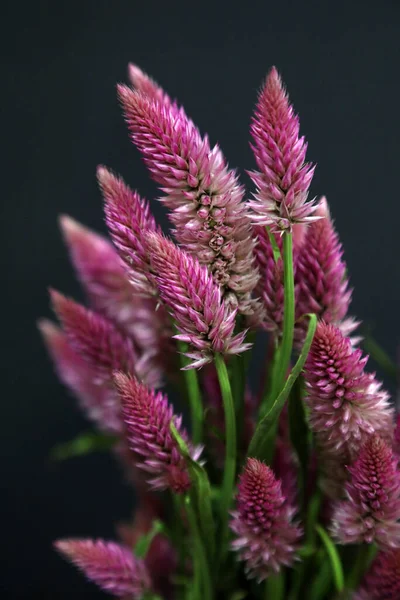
<point x="221" y="503"/>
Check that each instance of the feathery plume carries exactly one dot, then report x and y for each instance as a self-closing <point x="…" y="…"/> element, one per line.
<point x="204" y="196"/>
<point x="284" y="178"/>
<point x="321" y="281"/>
<point x="97" y="399"/>
<point x="203" y="319"/>
<point x="148" y="417"/>
<point x="371" y="511"/>
<point x="111" y="566"/>
<point x="265" y="536"/>
<point x="382" y="580"/>
<point x="94" y="337"/>
<point x="128" y="216"/>
<point x="147" y="86"/>
<point x="103" y="277"/>
<point x="346" y="404"/>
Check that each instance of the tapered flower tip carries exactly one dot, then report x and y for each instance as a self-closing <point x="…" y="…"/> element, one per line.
<point x="145" y="84"/>
<point x="273" y="81"/>
<point x="50" y="332"/>
<point x="104" y="177"/>
<point x="111" y="566"/>
<point x="71" y="229"/>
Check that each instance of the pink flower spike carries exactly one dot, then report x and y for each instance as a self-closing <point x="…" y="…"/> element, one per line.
<point x="371" y="511"/>
<point x="382" y="580"/>
<point x="144" y="84"/>
<point x="128" y="216"/>
<point x="204" y="196"/>
<point x="109" y="565"/>
<point x="98" y="400"/>
<point x="265" y="536"/>
<point x="95" y="338"/>
<point x="283" y="178"/>
<point x="203" y="319"/>
<point x="148" y="417"/>
<point x="321" y="281"/>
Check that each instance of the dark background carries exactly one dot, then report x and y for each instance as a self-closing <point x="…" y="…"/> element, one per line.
<point x="61" y="118"/>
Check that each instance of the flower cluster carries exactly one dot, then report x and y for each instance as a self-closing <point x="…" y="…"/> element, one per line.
<point x="269" y="476"/>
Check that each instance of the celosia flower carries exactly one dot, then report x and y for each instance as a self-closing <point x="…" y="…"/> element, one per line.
<point x="346" y="404"/>
<point x="203" y="319"/>
<point x="284" y="178"/>
<point x="104" y="280"/>
<point x="148" y="417"/>
<point x="146" y="85"/>
<point x="371" y="510"/>
<point x="204" y="196"/>
<point x="265" y="536"/>
<point x="111" y="566"/>
<point x="382" y="580"/>
<point x="321" y="280"/>
<point x="128" y="216"/>
<point x="98" y="400"/>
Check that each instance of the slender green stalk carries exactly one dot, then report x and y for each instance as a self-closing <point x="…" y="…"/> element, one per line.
<point x="365" y="554"/>
<point x="336" y="564"/>
<point x="288" y="314"/>
<point x="380" y="356"/>
<point x="202" y="581"/>
<point x="230" y="445"/>
<point x="194" y="395"/>
<point x="275" y="587"/>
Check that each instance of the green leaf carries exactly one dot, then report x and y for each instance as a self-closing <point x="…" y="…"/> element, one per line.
<point x="260" y="445"/>
<point x="83" y="444"/>
<point x="144" y="542"/>
<point x="380" y="356"/>
<point x="336" y="564"/>
<point x="202" y="587"/>
<point x="202" y="491"/>
<point x="275" y="248"/>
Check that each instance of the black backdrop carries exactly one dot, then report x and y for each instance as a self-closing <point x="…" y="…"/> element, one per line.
<point x="60" y="63"/>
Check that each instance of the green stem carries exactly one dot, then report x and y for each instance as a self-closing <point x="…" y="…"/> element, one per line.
<point x="364" y="555"/>
<point x="275" y="587"/>
<point x="194" y="395"/>
<point x="202" y="579"/>
<point x="230" y="445"/>
<point x="288" y="315"/>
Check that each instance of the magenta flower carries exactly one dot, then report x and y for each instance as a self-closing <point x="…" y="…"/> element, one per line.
<point x="146" y="85"/>
<point x="204" y="196"/>
<point x="265" y="536"/>
<point x="186" y="287"/>
<point x="283" y="178"/>
<point x="98" y="400"/>
<point x="382" y="580"/>
<point x="148" y="417"/>
<point x="346" y="404"/>
<point x="322" y="284"/>
<point x="111" y="566"/>
<point x="105" y="282"/>
<point x="371" y="511"/>
<point x="128" y="216"/>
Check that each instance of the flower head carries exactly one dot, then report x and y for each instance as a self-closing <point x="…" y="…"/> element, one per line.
<point x="346" y="404"/>
<point x="111" y="566"/>
<point x="382" y="580"/>
<point x="265" y="536"/>
<point x="128" y="217"/>
<point x="371" y="510"/>
<point x="98" y="400"/>
<point x="204" y="196"/>
<point x="148" y="418"/>
<point x="283" y="178"/>
<point x="104" y="279"/>
<point x="203" y="318"/>
<point x="322" y="283"/>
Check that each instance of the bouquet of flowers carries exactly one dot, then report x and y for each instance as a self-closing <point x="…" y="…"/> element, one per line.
<point x="285" y="489"/>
